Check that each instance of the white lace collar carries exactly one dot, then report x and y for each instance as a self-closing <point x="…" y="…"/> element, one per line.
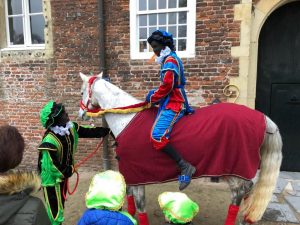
<point x="62" y="131"/>
<point x="163" y="53"/>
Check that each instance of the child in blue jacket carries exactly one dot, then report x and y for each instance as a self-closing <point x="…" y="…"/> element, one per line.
<point x="104" y="201"/>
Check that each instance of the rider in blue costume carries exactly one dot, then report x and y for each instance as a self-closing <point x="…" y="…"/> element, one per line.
<point x="172" y="100"/>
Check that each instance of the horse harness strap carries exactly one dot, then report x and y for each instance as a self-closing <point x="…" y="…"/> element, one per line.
<point x="85" y="107"/>
<point x="121" y="110"/>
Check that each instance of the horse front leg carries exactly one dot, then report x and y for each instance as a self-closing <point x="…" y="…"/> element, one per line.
<point x="239" y="190"/>
<point x="140" y="203"/>
<point x="136" y="200"/>
<point x="131" y="208"/>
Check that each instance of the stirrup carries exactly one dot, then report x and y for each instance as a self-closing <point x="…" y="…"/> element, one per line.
<point x="184" y="179"/>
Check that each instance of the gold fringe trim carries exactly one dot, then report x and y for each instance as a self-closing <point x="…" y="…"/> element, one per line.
<point x="119" y="111"/>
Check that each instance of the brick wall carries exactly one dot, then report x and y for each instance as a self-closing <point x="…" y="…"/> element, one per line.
<point x="26" y="83"/>
<point x="206" y="74"/>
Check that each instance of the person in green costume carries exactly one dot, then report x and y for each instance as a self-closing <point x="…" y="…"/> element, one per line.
<point x="178" y="208"/>
<point x="104" y="201"/>
<point x="56" y="155"/>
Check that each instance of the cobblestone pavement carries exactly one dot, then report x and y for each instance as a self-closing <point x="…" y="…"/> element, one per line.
<point x="213" y="200"/>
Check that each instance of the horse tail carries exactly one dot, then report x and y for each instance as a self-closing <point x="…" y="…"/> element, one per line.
<point x="271" y="156"/>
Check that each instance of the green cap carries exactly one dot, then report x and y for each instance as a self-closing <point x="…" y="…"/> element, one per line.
<point x="107" y="191"/>
<point x="177" y="207"/>
<point x="49" y="112"/>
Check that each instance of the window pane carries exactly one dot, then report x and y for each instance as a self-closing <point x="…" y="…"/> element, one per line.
<point x="172" y="3"/>
<point x="182" y="31"/>
<point x="142" y="5"/>
<point x="37" y="24"/>
<point x="143" y="33"/>
<point x="174" y="42"/>
<point x="14" y="7"/>
<point x="16" y="31"/>
<point x="172" y="18"/>
<point x="182" y="3"/>
<point x="162" y="19"/>
<point x="153" y="19"/>
<point x="162" y="4"/>
<point x="151" y="30"/>
<point x="182" y="17"/>
<point x="181" y="45"/>
<point x="172" y="30"/>
<point x="35" y="6"/>
<point x="143" y="20"/>
<point x="152" y="4"/>
<point x="143" y="46"/>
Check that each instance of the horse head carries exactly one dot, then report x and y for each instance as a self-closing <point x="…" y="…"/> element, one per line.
<point x="100" y="94"/>
<point x="88" y="101"/>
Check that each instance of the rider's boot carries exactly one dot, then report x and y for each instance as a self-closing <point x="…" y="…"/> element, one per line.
<point x="187" y="170"/>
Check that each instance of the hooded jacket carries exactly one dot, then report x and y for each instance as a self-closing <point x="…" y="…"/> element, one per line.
<point x="17" y="206"/>
<point x="105" y="217"/>
<point x="103" y="200"/>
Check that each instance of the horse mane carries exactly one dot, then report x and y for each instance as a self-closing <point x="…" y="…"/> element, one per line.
<point x="112" y="96"/>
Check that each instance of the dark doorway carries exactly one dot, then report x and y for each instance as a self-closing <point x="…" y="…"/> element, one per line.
<point x="278" y="78"/>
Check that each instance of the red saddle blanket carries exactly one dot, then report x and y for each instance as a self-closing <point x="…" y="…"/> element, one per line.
<point x="221" y="139"/>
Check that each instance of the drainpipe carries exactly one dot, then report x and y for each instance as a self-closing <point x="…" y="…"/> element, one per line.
<point x="102" y="67"/>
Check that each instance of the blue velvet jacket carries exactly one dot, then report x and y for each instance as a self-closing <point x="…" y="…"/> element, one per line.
<point x="162" y="94"/>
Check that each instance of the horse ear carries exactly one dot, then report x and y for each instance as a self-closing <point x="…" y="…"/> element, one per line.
<point x="100" y="75"/>
<point x="83" y="77"/>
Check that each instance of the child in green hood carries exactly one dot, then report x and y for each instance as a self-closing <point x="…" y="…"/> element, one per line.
<point x="178" y="208"/>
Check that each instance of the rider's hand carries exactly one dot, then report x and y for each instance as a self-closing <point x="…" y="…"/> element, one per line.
<point x="150" y="93"/>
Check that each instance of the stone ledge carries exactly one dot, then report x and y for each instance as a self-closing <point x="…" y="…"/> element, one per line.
<point x="7" y="54"/>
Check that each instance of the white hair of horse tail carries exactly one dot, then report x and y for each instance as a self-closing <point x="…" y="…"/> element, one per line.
<point x="256" y="203"/>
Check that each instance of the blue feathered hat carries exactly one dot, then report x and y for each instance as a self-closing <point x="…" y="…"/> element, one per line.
<point x="162" y="37"/>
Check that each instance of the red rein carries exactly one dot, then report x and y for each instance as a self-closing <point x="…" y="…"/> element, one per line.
<point x="66" y="188"/>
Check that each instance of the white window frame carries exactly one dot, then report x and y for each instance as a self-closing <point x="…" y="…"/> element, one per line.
<point x="26" y="28"/>
<point x="191" y="29"/>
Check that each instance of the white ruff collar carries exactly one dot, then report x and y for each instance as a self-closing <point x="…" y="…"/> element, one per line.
<point x="62" y="131"/>
<point x="163" y="53"/>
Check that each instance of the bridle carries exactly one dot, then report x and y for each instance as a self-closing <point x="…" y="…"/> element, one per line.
<point x="97" y="110"/>
<point x="85" y="107"/>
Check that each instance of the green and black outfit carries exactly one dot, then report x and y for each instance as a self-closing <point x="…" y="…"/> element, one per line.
<point x="56" y="162"/>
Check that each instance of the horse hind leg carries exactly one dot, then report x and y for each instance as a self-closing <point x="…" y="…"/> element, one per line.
<point x="240" y="188"/>
<point x="140" y="203"/>
<point x="256" y="203"/>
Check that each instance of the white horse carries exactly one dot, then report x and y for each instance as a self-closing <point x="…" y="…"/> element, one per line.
<point x="256" y="197"/>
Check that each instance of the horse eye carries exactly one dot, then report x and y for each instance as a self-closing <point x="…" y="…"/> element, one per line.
<point x="81" y="93"/>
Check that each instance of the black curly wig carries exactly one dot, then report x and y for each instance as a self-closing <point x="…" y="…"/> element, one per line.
<point x="163" y="38"/>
